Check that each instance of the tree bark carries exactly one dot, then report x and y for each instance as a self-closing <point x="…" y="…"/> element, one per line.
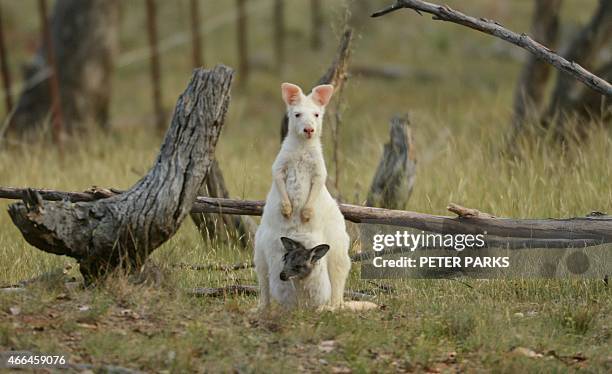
<point x="396" y="172"/>
<point x="84" y="39"/>
<point x="122" y="230"/>
<point x="529" y="94"/>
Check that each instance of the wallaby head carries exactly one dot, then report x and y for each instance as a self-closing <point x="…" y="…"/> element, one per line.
<point x="299" y="261"/>
<point x="305" y="113"/>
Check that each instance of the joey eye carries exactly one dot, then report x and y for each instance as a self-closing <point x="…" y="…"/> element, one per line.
<point x="317" y="115"/>
<point x="298" y="115"/>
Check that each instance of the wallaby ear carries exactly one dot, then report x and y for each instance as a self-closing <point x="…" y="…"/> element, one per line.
<point x="292" y="94"/>
<point x="318" y="252"/>
<point x="322" y="94"/>
<point x="290" y="244"/>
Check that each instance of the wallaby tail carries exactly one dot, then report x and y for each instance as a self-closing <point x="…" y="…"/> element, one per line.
<point x="359" y="305"/>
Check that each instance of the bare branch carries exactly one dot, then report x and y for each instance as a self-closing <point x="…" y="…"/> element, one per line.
<point x="445" y="13"/>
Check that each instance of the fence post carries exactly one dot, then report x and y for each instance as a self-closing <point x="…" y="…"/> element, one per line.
<point x="243" y="50"/>
<point x="155" y="71"/>
<point x="56" y="101"/>
<point x="196" y="41"/>
<point x="6" y="75"/>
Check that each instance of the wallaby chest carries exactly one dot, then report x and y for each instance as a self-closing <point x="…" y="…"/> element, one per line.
<point x="300" y="170"/>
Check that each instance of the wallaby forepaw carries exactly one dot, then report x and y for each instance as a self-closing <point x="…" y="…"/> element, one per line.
<point x="286" y="209"/>
<point x="306" y="214"/>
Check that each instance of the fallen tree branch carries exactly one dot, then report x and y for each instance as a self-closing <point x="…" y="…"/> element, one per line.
<point x="581" y="231"/>
<point x="218" y="267"/>
<point x="445" y="13"/>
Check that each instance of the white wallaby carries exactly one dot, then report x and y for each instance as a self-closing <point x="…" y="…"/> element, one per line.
<point x="299" y="205"/>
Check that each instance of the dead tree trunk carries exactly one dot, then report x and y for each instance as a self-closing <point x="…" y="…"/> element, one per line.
<point x="122" y="230"/>
<point x="84" y="39"/>
<point x="590" y="105"/>
<point x="529" y="94"/>
<point x="242" y="42"/>
<point x="396" y="172"/>
<point x="154" y="65"/>
<point x="196" y="41"/>
<point x="4" y="69"/>
<point x="279" y="35"/>
<point x="582" y="50"/>
<point x="57" y="117"/>
<point x="218" y="226"/>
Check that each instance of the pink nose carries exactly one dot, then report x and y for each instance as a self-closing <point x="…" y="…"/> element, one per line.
<point x="309" y="131"/>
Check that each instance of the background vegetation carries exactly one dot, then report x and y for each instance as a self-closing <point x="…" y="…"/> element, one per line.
<point x="458" y="91"/>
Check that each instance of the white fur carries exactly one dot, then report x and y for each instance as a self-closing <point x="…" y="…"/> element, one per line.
<point x="311" y="215"/>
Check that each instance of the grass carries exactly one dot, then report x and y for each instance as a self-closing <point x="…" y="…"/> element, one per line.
<point x="459" y="115"/>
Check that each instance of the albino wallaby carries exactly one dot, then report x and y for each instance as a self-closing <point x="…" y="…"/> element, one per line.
<point x="298" y="204"/>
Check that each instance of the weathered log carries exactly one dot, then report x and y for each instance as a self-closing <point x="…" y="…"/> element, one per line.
<point x="123" y="229"/>
<point x="594" y="229"/>
<point x="396" y="172"/>
<point x="214" y="226"/>
<point x="336" y="75"/>
<point x="84" y="38"/>
<point x="445" y="13"/>
<point x="529" y="93"/>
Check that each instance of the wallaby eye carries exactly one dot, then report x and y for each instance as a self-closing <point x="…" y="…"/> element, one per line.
<point x="297" y="115"/>
<point x="317" y="115"/>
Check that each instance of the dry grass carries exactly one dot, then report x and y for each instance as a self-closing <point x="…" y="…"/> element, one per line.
<point x="460" y="116"/>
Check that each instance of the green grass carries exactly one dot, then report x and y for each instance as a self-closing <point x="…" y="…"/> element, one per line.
<point x="459" y="120"/>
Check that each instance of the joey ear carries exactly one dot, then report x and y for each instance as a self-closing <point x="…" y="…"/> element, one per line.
<point x="292" y="94"/>
<point x="318" y="252"/>
<point x="290" y="244"/>
<point x="322" y="94"/>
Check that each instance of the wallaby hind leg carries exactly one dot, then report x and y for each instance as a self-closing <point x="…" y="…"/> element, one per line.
<point x="261" y="268"/>
<point x="339" y="266"/>
<point x="264" y="290"/>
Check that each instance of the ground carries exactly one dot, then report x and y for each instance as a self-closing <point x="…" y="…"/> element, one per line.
<point x="458" y="91"/>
